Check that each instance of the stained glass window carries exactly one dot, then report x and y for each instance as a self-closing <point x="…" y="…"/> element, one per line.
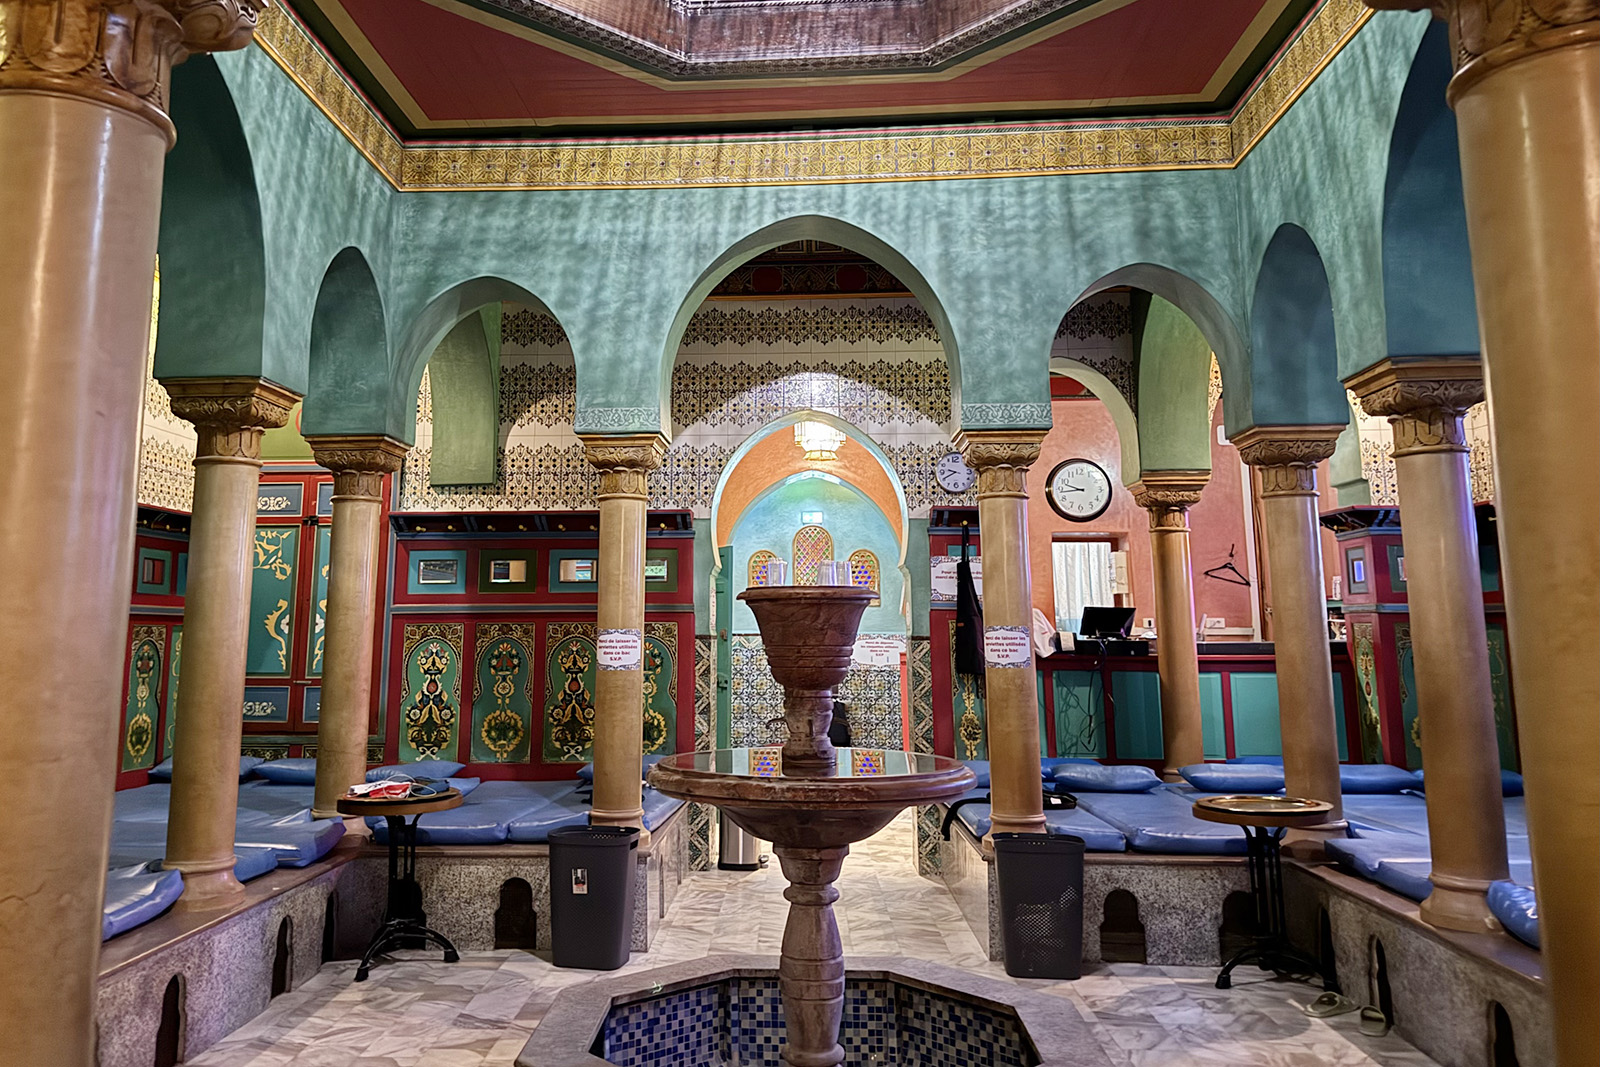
<point x="758" y="566"/>
<point x="864" y="570"/>
<point x="812" y="545"/>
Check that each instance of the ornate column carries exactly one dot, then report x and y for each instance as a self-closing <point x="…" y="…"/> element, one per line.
<point x="358" y="463"/>
<point x="1168" y="495"/>
<point x="624" y="462"/>
<point x="83" y="132"/>
<point x="1425" y="400"/>
<point x="229" y="414"/>
<point x="1286" y="458"/>
<point x="1011" y="698"/>
<point x="1528" y="120"/>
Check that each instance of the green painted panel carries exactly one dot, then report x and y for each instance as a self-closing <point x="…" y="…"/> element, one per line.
<point x="502" y="709"/>
<point x="172" y="689"/>
<point x="1500" y="685"/>
<point x="145" y="661"/>
<point x="1339" y="713"/>
<point x="321" y="547"/>
<point x="272" y="596"/>
<point x="660" y="676"/>
<point x="1138" y="714"/>
<point x="432" y="702"/>
<point x="1080" y="714"/>
<point x="1411" y="728"/>
<point x="1038" y="702"/>
<point x="661" y="570"/>
<point x="569" y="672"/>
<point x="1213" y="731"/>
<point x="1255" y="715"/>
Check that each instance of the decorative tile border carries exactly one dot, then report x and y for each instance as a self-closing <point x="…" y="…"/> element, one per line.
<point x="797" y="159"/>
<point x="1005" y="416"/>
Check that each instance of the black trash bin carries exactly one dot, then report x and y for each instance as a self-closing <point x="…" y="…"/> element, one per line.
<point x="591" y="896"/>
<point x="1041" y="904"/>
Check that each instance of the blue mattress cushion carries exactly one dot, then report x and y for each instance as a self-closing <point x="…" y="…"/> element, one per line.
<point x="293" y="845"/>
<point x="1374" y="778"/>
<point x="1514" y="905"/>
<point x="146" y="803"/>
<point x="298" y="771"/>
<point x="548" y="812"/>
<point x="1276" y="761"/>
<point x="1375" y="813"/>
<point x="483" y="818"/>
<point x="162" y="772"/>
<point x="1097" y="835"/>
<point x="658" y="808"/>
<point x="586" y="772"/>
<point x="980" y="767"/>
<point x="146" y="843"/>
<point x="1234" y="777"/>
<point x="135" y="895"/>
<point x="428" y="768"/>
<point x="1097" y="778"/>
<point x="1162" y="821"/>
<point x="1510" y="783"/>
<point x="1401" y="861"/>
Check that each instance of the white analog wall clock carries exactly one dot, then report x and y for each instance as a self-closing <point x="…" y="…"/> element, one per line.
<point x="953" y="474"/>
<point x="1079" y="490"/>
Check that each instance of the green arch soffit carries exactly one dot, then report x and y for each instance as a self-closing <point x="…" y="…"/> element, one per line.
<point x="464" y="381"/>
<point x="848" y="429"/>
<point x="818" y="228"/>
<point x="1122" y="415"/>
<point x="213" y="261"/>
<point x="349" y="350"/>
<point x="1344" y="467"/>
<point x="1172" y="368"/>
<point x="1293" y="337"/>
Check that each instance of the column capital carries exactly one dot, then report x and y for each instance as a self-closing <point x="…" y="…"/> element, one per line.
<point x="624" y="461"/>
<point x="117" y="54"/>
<point x="358" y="461"/>
<point x="1287" y="455"/>
<point x="1486" y="35"/>
<point x="229" y="414"/>
<point x="1168" y="496"/>
<point x="1423" y="399"/>
<point x="1001" y="458"/>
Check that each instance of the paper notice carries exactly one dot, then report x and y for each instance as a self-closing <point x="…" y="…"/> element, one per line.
<point x="1007" y="646"/>
<point x="617" y="650"/>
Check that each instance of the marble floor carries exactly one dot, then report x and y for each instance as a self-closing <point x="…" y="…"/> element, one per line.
<point x="479" y="1012"/>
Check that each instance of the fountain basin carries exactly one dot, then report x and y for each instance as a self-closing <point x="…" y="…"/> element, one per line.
<point x="727" y="1011"/>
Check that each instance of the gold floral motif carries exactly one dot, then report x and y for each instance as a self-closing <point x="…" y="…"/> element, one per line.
<point x="268" y="553"/>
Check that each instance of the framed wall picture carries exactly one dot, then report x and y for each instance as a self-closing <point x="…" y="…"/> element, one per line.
<point x="438" y="571"/>
<point x="508" y="571"/>
<point x="579" y="570"/>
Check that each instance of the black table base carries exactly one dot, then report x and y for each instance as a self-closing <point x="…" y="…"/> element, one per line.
<point x="404" y="924"/>
<point x="1272" y="950"/>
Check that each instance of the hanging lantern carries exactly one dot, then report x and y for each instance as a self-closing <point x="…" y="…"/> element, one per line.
<point x="819" y="440"/>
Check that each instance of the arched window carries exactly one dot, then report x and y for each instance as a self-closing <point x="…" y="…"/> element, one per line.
<point x="812" y="545"/>
<point x="758" y="567"/>
<point x="864" y="571"/>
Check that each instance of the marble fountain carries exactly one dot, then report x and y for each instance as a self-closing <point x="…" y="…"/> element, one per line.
<point x="812" y="802"/>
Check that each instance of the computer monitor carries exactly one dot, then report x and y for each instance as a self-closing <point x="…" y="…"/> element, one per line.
<point x="1105" y="622"/>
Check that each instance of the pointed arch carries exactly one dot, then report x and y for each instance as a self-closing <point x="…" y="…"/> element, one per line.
<point x="1294" y="350"/>
<point x="347" y="379"/>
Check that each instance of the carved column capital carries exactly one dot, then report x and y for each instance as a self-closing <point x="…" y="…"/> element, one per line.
<point x="358" y="461"/>
<point x="624" y="461"/>
<point x="1423" y="399"/>
<point x="1168" y="496"/>
<point x="230" y="414"/>
<point x="116" y="52"/>
<point x="1287" y="456"/>
<point x="1486" y="35"/>
<point x="1001" y="458"/>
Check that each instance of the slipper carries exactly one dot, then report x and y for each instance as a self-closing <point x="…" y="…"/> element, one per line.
<point x="1328" y="1005"/>
<point x="1373" y="1022"/>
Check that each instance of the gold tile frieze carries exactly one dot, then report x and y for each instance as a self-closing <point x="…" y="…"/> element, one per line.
<point x="798" y="159"/>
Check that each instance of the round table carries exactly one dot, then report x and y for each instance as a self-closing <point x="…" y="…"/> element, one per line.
<point x="1264" y="819"/>
<point x="404" y="923"/>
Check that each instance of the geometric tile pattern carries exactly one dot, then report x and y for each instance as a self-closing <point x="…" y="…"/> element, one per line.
<point x="705" y="725"/>
<point x="872" y="693"/>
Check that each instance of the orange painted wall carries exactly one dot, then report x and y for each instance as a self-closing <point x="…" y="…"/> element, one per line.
<point x="776" y="456"/>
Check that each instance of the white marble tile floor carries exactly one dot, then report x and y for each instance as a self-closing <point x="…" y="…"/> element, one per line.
<point x="419" y="1012"/>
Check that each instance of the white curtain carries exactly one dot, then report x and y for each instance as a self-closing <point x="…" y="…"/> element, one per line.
<point x="1082" y="573"/>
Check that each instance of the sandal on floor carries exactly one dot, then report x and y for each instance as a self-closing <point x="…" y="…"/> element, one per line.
<point x="1328" y="1005"/>
<point x="1373" y="1022"/>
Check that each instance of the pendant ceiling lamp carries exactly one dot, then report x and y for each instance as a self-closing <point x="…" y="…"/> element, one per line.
<point x="819" y="440"/>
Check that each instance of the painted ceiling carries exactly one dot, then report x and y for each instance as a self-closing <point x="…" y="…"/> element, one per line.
<point x="481" y="70"/>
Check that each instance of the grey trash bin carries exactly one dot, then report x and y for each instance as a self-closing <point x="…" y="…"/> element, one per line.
<point x="1041" y="904"/>
<point x="591" y="895"/>
<point x="737" y="848"/>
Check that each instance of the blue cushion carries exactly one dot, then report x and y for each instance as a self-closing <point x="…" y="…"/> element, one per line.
<point x="135" y="895"/>
<point x="162" y="772"/>
<point x="1274" y="760"/>
<point x="1097" y="778"/>
<point x="1510" y="783"/>
<point x="428" y="768"/>
<point x="586" y="772"/>
<point x="979" y="767"/>
<point x="1375" y="813"/>
<point x="299" y="771"/>
<point x="136" y="843"/>
<point x="1234" y="777"/>
<point x="1097" y="835"/>
<point x="293" y="846"/>
<point x="658" y="808"/>
<point x="1514" y="905"/>
<point x="146" y="803"/>
<point x="1402" y="861"/>
<point x="1162" y="821"/>
<point x="548" y="813"/>
<point x="1374" y="778"/>
<point x="484" y="817"/>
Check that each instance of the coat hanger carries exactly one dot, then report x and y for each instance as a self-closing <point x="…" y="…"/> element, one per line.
<point x="1227" y="572"/>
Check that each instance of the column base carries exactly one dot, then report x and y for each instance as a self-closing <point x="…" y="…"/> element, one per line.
<point x="215" y="890"/>
<point x="1012" y="824"/>
<point x="599" y="817"/>
<point x="317" y="813"/>
<point x="1459" y="904"/>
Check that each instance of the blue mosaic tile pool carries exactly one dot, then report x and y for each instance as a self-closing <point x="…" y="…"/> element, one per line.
<point x="739" y="1022"/>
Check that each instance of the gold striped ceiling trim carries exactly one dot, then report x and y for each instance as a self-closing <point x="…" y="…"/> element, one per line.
<point x="1011" y="150"/>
